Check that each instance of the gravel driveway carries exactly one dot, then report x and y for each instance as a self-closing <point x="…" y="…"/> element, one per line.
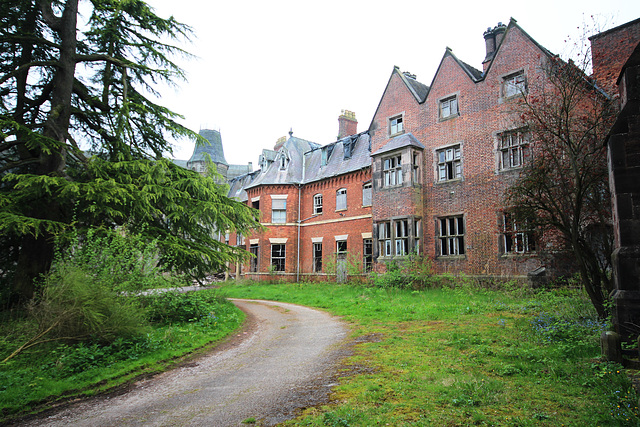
<point x="283" y="361"/>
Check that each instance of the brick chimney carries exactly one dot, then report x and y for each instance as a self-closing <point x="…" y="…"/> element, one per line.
<point x="492" y="39"/>
<point x="347" y="124"/>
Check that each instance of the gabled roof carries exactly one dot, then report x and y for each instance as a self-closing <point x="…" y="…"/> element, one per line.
<point x="336" y="163"/>
<point x="474" y="74"/>
<point x="293" y="149"/>
<point x="514" y="24"/>
<point x="417" y="89"/>
<point x="400" y="141"/>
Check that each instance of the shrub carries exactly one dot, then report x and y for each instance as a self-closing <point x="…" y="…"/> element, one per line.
<point x="175" y="307"/>
<point x="414" y="272"/>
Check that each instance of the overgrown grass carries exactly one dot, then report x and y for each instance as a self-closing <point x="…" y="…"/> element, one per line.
<point x="182" y="324"/>
<point x="465" y="356"/>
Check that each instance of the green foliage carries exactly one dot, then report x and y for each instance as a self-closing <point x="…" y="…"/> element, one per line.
<point x="57" y="369"/>
<point x="74" y="306"/>
<point x="414" y="272"/>
<point x="173" y="307"/>
<point x="56" y="103"/>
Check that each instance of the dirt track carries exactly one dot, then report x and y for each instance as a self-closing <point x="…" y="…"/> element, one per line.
<point x="284" y="361"/>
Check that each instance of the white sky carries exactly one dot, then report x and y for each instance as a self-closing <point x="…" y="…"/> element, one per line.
<point x="265" y="67"/>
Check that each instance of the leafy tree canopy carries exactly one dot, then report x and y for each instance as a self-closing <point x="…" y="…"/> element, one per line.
<point x="77" y="74"/>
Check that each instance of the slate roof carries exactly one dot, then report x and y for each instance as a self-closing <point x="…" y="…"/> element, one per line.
<point x="238" y="184"/>
<point x="400" y="141"/>
<point x="237" y="170"/>
<point x="293" y="149"/>
<point x="213" y="149"/>
<point x="336" y="163"/>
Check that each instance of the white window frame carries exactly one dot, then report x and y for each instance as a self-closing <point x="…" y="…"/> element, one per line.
<point x="367" y="194"/>
<point x="278" y="209"/>
<point x="317" y="204"/>
<point x="279" y="262"/>
<point x="396" y="125"/>
<point x="317" y="257"/>
<point x="392" y="171"/>
<point x="449" y="163"/>
<point x="384" y="238"/>
<point x="341" y="199"/>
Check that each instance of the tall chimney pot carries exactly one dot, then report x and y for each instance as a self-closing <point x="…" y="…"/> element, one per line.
<point x="347" y="124"/>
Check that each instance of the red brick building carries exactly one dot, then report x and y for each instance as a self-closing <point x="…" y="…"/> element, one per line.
<point x="427" y="177"/>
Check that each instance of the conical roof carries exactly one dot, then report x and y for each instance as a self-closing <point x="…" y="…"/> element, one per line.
<point x="213" y="149"/>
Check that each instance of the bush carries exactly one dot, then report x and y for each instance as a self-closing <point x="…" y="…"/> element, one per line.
<point x="75" y="307"/>
<point x="415" y="272"/>
<point x="175" y="307"/>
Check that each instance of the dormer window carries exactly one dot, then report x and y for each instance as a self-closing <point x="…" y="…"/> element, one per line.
<point x="284" y="161"/>
<point x="347" y="149"/>
<point x="396" y="125"/>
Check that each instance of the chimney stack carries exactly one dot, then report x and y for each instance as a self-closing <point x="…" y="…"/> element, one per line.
<point x="347" y="124"/>
<point x="492" y="39"/>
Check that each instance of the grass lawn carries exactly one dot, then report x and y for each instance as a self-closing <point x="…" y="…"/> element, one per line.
<point x="465" y="356"/>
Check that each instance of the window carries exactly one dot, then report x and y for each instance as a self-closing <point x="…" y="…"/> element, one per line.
<point x="396" y="125"/>
<point x="449" y="164"/>
<point x="278" y="257"/>
<point x="449" y="107"/>
<point x="516" y="237"/>
<point x="415" y="175"/>
<point x="366" y="194"/>
<point x="284" y="161"/>
<point x="278" y="211"/>
<point x="348" y="145"/>
<point x="341" y="247"/>
<point x="401" y="237"/>
<point x="514" y="84"/>
<point x="384" y="238"/>
<point x="317" y="257"/>
<point x="253" y="263"/>
<point x="238" y="239"/>
<point x="341" y="199"/>
<point x="451" y="235"/>
<point x="392" y="171"/>
<point x="367" y="254"/>
<point x="317" y="204"/>
<point x="514" y="149"/>
<point x="255" y="204"/>
<point x="416" y="236"/>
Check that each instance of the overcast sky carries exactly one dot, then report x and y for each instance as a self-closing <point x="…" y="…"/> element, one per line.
<point x="265" y="67"/>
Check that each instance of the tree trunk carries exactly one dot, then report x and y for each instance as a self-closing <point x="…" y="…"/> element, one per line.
<point x="36" y="253"/>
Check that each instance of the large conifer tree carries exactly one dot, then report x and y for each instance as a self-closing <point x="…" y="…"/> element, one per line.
<point x="71" y="80"/>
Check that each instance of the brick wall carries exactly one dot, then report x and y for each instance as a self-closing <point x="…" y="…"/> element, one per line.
<point x="610" y="50"/>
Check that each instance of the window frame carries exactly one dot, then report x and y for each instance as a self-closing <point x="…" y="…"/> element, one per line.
<point x="392" y="171"/>
<point x="254" y="249"/>
<point x="451" y="236"/>
<point x="317" y="257"/>
<point x="279" y="262"/>
<point x="510" y="151"/>
<point x="384" y="239"/>
<point x="401" y="237"/>
<point x="367" y="255"/>
<point x="279" y="214"/>
<point x="396" y="125"/>
<point x="452" y="105"/>
<point x="367" y="188"/>
<point x="341" y="199"/>
<point x="516" y="241"/>
<point x="317" y="204"/>
<point x="517" y="87"/>
<point x="450" y="165"/>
